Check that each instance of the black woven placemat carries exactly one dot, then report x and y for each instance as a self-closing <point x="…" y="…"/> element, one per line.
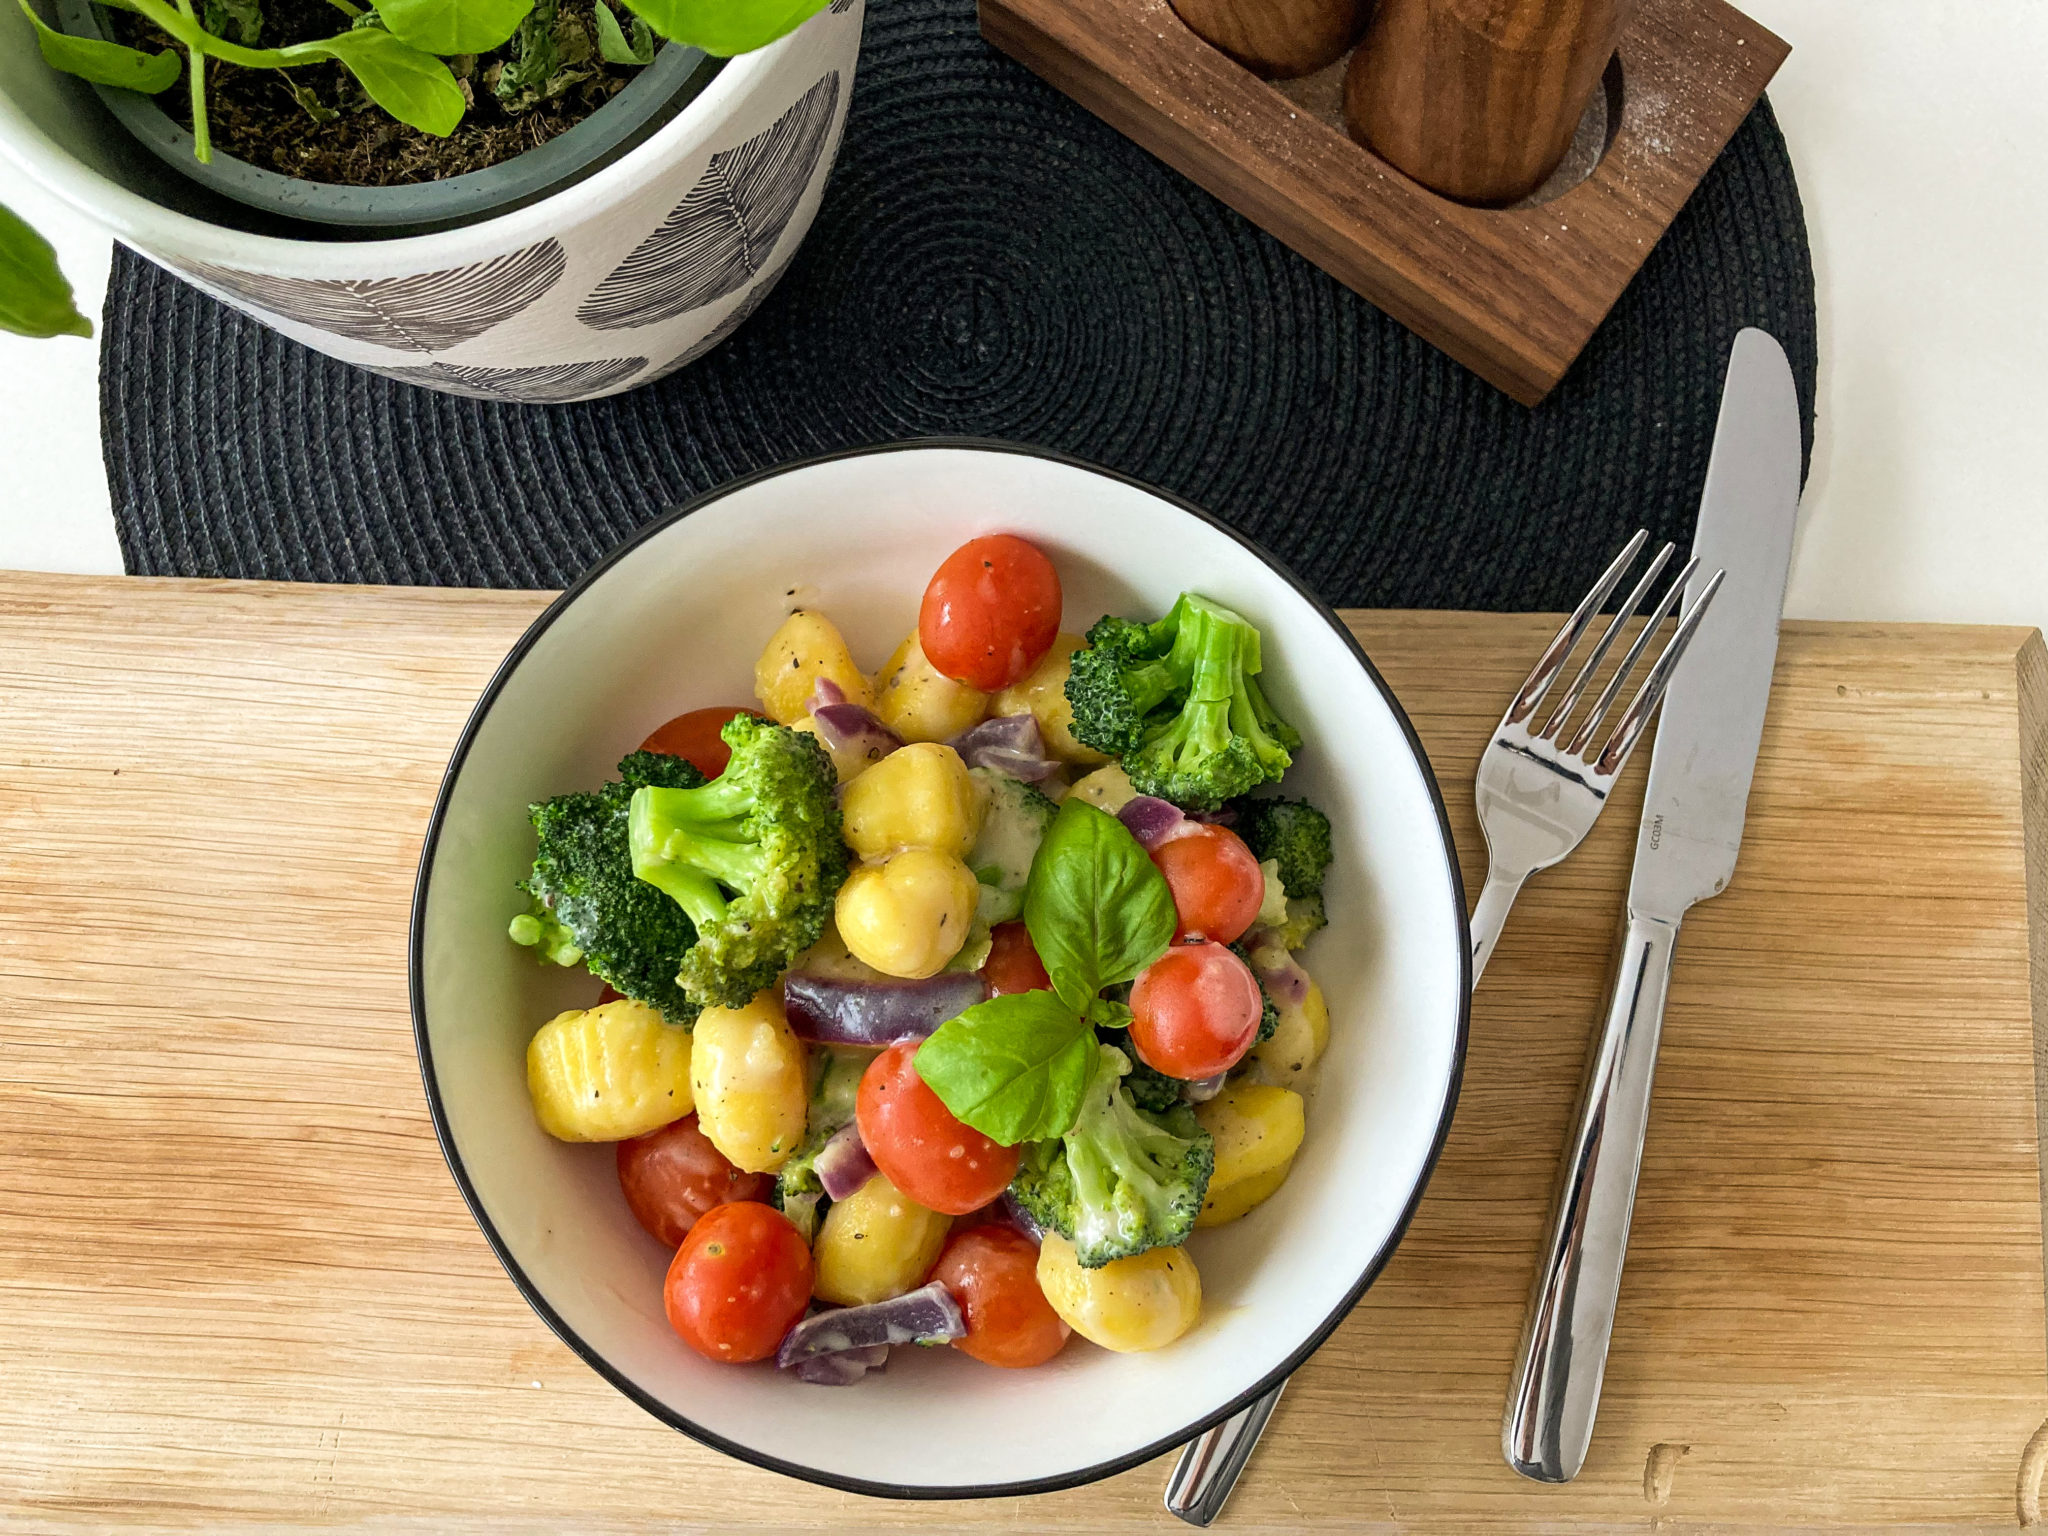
<point x="990" y="260"/>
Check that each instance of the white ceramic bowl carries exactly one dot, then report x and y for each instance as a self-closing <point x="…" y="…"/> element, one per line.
<point x="673" y="620"/>
<point x="612" y="282"/>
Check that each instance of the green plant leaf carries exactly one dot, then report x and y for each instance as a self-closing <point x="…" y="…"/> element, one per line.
<point x="1014" y="1068"/>
<point x="612" y="42"/>
<point x="453" y="26"/>
<point x="104" y="63"/>
<point x="244" y="16"/>
<point x="725" y="27"/>
<point x="35" y="299"/>
<point x="1097" y="908"/>
<point x="414" y="87"/>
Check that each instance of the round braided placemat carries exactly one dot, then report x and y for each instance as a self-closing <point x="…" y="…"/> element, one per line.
<point x="990" y="260"/>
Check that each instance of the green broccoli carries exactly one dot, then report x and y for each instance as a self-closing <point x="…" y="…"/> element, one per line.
<point x="1012" y="827"/>
<point x="1149" y="1088"/>
<point x="767" y="830"/>
<point x="1179" y="702"/>
<point x="587" y="906"/>
<point x="1305" y="917"/>
<point x="1127" y="1181"/>
<point x="1292" y="833"/>
<point x="799" y="1193"/>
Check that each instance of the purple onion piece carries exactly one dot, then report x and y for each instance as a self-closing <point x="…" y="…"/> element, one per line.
<point x="1009" y="744"/>
<point x="844" y="1368"/>
<point x="1203" y="1089"/>
<point x="1150" y="820"/>
<point x="1022" y="1219"/>
<point x="1285" y="982"/>
<point x="927" y="1315"/>
<point x="843" y="1163"/>
<point x="823" y="692"/>
<point x="837" y="1010"/>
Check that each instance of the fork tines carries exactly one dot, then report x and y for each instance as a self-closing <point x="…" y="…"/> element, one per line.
<point x="1621" y="741"/>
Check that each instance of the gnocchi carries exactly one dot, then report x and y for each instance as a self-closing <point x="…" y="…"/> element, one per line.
<point x="919" y="702"/>
<point x="1107" y="789"/>
<point x="919" y="796"/>
<point x="1042" y="693"/>
<point x="750" y="1076"/>
<point x="608" y="1073"/>
<point x="806" y="647"/>
<point x="1257" y="1129"/>
<point x="1129" y="1305"/>
<point x="876" y="1243"/>
<point x="909" y="915"/>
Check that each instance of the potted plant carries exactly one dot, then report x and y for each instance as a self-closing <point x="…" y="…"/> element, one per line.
<point x="569" y="279"/>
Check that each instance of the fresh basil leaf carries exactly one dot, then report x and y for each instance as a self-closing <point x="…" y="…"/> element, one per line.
<point x="104" y="63"/>
<point x="612" y="44"/>
<point x="453" y="26"/>
<point x="1097" y="908"/>
<point x="35" y="299"/>
<point x="1104" y="1014"/>
<point x="725" y="27"/>
<point x="1014" y="1067"/>
<point x="414" y="87"/>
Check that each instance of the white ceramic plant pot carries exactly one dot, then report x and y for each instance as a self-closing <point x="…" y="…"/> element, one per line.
<point x="615" y="281"/>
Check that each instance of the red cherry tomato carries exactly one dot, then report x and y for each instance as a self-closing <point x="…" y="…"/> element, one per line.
<point x="992" y="1272"/>
<point x="1217" y="885"/>
<point x="740" y="1281"/>
<point x="1195" y="1011"/>
<point x="695" y="736"/>
<point x="991" y="611"/>
<point x="935" y="1159"/>
<point x="1013" y="964"/>
<point x="674" y="1175"/>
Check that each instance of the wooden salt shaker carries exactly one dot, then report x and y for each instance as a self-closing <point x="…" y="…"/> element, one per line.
<point x="1278" y="39"/>
<point x="1478" y="99"/>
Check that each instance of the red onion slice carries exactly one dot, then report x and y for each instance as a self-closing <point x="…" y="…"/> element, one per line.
<point x="927" y="1315"/>
<point x="1009" y="744"/>
<point x="836" y="1010"/>
<point x="844" y="1368"/>
<point x="842" y="725"/>
<point x="1151" y="821"/>
<point x="843" y="1163"/>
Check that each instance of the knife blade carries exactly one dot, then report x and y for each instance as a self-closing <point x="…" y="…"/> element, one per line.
<point x="1694" y="806"/>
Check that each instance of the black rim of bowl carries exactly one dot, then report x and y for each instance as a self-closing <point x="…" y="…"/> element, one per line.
<point x="1095" y="1471"/>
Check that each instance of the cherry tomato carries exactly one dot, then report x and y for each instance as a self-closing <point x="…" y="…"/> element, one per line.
<point x="1195" y="1011"/>
<point x="674" y="1175"/>
<point x="695" y="736"/>
<point x="992" y="1272"/>
<point x="1217" y="885"/>
<point x="740" y="1281"/>
<point x="991" y="612"/>
<point x="938" y="1161"/>
<point x="1013" y="964"/>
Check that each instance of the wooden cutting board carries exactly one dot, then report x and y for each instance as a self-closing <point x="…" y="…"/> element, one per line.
<point x="237" y="1286"/>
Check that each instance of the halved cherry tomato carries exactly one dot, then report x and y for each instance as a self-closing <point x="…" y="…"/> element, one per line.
<point x="1195" y="1011"/>
<point x="1217" y="885"/>
<point x="740" y="1281"/>
<point x="1013" y="964"/>
<point x="992" y="1272"/>
<point x="991" y="612"/>
<point x="674" y="1175"/>
<point x="695" y="736"/>
<point x="937" y="1160"/>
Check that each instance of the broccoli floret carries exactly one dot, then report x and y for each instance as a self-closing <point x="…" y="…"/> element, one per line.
<point x="1180" y="704"/>
<point x="1151" y="1089"/>
<point x="767" y="831"/>
<point x="1012" y="827"/>
<point x="799" y="1193"/>
<point x="1127" y="1181"/>
<point x="587" y="906"/>
<point x="1294" y="835"/>
<point x="1305" y="917"/>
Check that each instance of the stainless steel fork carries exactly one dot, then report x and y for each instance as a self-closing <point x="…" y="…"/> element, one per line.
<point x="1539" y="792"/>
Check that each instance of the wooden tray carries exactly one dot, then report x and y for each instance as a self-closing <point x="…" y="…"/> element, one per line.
<point x="237" y="1286"/>
<point x="1514" y="294"/>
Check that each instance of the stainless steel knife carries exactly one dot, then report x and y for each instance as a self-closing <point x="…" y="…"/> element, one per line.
<point x="1693" y="811"/>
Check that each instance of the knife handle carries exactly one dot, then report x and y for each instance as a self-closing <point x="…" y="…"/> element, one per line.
<point x="1556" y="1388"/>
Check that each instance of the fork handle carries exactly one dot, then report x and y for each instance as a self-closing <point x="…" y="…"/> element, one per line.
<point x="1556" y="1387"/>
<point x="1490" y="912"/>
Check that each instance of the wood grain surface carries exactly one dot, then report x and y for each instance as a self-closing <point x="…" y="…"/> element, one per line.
<point x="238" y="1288"/>
<point x="1514" y="294"/>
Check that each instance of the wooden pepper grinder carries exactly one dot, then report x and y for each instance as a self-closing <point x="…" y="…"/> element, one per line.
<point x="1278" y="39"/>
<point x="1479" y="99"/>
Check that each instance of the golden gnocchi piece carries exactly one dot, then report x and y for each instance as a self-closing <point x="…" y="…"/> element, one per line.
<point x="876" y="1243"/>
<point x="919" y="796"/>
<point x="608" y="1073"/>
<point x="1129" y="1305"/>
<point x="751" y="1080"/>
<point x="806" y="647"/>
<point x="919" y="702"/>
<point x="1258" y="1129"/>
<point x="1286" y="1058"/>
<point x="1042" y="693"/>
<point x="910" y="915"/>
<point x="1107" y="789"/>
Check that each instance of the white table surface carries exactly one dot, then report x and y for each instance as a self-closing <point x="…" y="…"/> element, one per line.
<point x="1917" y="128"/>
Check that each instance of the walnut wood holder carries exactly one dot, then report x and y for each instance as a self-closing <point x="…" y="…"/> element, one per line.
<point x="1512" y="293"/>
